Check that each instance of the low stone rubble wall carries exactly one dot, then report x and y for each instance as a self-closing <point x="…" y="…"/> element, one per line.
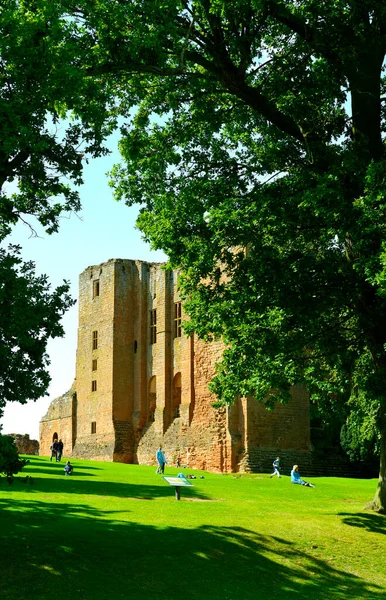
<point x="24" y="445"/>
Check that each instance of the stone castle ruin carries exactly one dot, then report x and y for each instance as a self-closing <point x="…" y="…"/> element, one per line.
<point x="140" y="382"/>
<point x="24" y="444"/>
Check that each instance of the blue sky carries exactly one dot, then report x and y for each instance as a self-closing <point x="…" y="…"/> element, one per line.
<point x="104" y="229"/>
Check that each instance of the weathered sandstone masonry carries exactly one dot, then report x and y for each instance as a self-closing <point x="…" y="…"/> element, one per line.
<point x="140" y="383"/>
<point x="24" y="445"/>
<point x="59" y="423"/>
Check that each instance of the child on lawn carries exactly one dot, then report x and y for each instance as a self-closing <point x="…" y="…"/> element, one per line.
<point x="276" y="467"/>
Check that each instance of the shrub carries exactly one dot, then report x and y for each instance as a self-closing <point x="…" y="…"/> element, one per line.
<point x="10" y="462"/>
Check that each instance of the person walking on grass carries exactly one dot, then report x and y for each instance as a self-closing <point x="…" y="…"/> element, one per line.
<point x="59" y="451"/>
<point x="276" y="467"/>
<point x="54" y="450"/>
<point x="295" y="477"/>
<point x="161" y="460"/>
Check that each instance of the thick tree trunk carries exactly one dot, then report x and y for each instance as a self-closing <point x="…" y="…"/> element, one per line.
<point x="365" y="87"/>
<point x="379" y="502"/>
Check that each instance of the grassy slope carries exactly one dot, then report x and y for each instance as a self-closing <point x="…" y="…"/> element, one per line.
<point x="115" y="531"/>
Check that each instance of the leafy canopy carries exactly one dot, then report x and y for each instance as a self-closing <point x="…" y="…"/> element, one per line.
<point x="52" y="118"/>
<point x="254" y="141"/>
<point x="256" y="152"/>
<point x="41" y="85"/>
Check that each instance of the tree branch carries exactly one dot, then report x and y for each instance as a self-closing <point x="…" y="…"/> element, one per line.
<point x="298" y="25"/>
<point x="16" y="162"/>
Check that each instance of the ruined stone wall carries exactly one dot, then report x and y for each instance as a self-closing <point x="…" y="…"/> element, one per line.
<point x="123" y="351"/>
<point x="113" y="410"/>
<point x="237" y="443"/>
<point x="266" y="433"/>
<point x="196" y="433"/>
<point x="24" y="445"/>
<point x="286" y="426"/>
<point x="95" y="436"/>
<point x="140" y="379"/>
<point x="209" y="448"/>
<point x="58" y="423"/>
<point x="157" y="384"/>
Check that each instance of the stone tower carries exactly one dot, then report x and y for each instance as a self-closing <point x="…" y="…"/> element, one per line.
<point x="140" y="383"/>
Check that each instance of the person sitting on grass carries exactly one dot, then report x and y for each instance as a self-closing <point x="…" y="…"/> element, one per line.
<point x="68" y="468"/>
<point x="295" y="477"/>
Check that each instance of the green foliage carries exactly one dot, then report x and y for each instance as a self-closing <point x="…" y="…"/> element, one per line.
<point x="362" y="432"/>
<point x="30" y="314"/>
<point x="254" y="142"/>
<point x="52" y="119"/>
<point x="360" y="436"/>
<point x="41" y="85"/>
<point x="10" y="462"/>
<point x="255" y="181"/>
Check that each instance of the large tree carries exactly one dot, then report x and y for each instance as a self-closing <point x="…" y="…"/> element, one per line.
<point x="257" y="152"/>
<point x="41" y="154"/>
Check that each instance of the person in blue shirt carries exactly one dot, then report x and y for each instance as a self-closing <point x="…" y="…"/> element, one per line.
<point x="295" y="477"/>
<point x="276" y="467"/>
<point x="68" y="468"/>
<point x="161" y="460"/>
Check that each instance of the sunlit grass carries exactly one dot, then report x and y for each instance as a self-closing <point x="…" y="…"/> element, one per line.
<point x="116" y="531"/>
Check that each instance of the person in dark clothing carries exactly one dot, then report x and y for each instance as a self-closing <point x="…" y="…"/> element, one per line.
<point x="54" y="451"/>
<point x="59" y="451"/>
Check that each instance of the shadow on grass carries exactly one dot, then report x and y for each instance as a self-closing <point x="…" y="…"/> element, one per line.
<point x="66" y="551"/>
<point x="55" y="469"/>
<point x="75" y="485"/>
<point x="38" y="461"/>
<point x="367" y="520"/>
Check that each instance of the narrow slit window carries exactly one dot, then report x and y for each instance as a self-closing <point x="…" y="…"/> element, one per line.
<point x="177" y="320"/>
<point x="153" y="326"/>
<point x="94" y="385"/>
<point x="95" y="364"/>
<point x="95" y="288"/>
<point x="93" y="426"/>
<point x="94" y="340"/>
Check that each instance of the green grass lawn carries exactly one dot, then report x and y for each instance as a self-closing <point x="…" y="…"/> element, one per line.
<point x="115" y="531"/>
